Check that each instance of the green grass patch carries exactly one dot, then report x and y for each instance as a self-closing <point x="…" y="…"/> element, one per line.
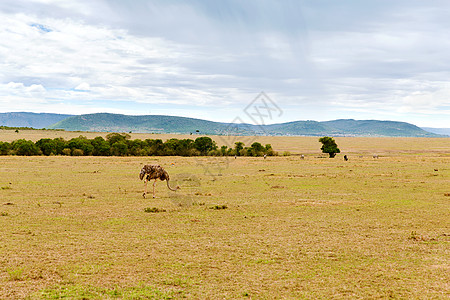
<point x="15" y="274"/>
<point x="91" y="292"/>
<point x="154" y="210"/>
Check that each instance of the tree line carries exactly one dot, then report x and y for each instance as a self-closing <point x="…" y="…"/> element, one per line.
<point x="121" y="144"/>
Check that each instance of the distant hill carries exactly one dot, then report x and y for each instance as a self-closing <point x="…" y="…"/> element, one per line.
<point x="105" y="122"/>
<point x="27" y="119"/>
<point x="443" y="131"/>
<point x="123" y="123"/>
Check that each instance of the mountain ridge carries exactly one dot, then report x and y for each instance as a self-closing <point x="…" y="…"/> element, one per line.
<point x="185" y="125"/>
<point x="30" y="119"/>
<point x="441" y="131"/>
<point x="107" y="122"/>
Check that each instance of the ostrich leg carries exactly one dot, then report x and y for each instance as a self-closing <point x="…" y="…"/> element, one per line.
<point x="145" y="189"/>
<point x="154" y="183"/>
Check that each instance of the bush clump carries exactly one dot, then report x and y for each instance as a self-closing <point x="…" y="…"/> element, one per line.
<point x="117" y="144"/>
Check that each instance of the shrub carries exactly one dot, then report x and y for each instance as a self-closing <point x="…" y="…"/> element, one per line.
<point x="24" y="147"/>
<point x="60" y="144"/>
<point x="77" y="152"/>
<point x="117" y="137"/>
<point x="119" y="148"/>
<point x="101" y="147"/>
<point x="66" y="151"/>
<point x="120" y="145"/>
<point x="270" y="152"/>
<point x="4" y="148"/>
<point x="47" y="146"/>
<point x="82" y="143"/>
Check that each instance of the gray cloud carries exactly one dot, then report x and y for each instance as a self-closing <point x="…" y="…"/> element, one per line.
<point x="318" y="59"/>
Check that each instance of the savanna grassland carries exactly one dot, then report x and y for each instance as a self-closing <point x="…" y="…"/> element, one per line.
<point x="275" y="228"/>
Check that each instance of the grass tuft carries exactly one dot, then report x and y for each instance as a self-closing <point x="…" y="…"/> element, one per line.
<point x="15" y="274"/>
<point x="218" y="207"/>
<point x="154" y="210"/>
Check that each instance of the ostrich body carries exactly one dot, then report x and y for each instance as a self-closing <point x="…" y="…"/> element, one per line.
<point x="155" y="172"/>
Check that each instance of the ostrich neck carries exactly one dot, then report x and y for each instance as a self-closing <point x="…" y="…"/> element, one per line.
<point x="168" y="185"/>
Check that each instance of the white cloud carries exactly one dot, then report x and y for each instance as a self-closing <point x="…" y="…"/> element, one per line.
<point x="83" y="87"/>
<point x="355" y="59"/>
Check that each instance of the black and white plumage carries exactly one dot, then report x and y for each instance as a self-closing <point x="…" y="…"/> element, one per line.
<point x="155" y="172"/>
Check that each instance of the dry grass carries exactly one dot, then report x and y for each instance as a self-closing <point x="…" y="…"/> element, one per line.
<point x="318" y="228"/>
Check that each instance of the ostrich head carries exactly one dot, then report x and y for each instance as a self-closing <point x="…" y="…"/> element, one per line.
<point x="141" y="174"/>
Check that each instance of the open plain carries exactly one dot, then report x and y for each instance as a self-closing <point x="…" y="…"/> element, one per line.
<point x="277" y="228"/>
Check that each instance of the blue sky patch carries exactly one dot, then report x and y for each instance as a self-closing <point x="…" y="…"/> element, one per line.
<point x="41" y="27"/>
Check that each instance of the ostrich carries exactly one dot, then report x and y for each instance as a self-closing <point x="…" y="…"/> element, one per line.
<point x="154" y="172"/>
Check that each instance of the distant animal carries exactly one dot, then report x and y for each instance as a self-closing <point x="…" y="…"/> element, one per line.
<point x="154" y="172"/>
<point x="375" y="156"/>
<point x="302" y="156"/>
<point x="345" y="157"/>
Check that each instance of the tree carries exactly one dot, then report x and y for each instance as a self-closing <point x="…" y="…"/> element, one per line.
<point x="256" y="149"/>
<point x="269" y="150"/>
<point x="4" y="148"/>
<point x="101" y="147"/>
<point x="117" y="137"/>
<point x="171" y="146"/>
<point x="81" y="143"/>
<point x="119" y="148"/>
<point x="24" y="147"/>
<point x="223" y="150"/>
<point x="136" y="147"/>
<point x="329" y="146"/>
<point x="238" y="147"/>
<point x="47" y="146"/>
<point x="154" y="147"/>
<point x="185" y="147"/>
<point x="204" y="144"/>
<point x="60" y="145"/>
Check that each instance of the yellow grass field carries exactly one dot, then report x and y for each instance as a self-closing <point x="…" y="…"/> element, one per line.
<point x="245" y="228"/>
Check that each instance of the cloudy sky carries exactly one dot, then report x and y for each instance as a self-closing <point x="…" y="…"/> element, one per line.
<point x="314" y="59"/>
